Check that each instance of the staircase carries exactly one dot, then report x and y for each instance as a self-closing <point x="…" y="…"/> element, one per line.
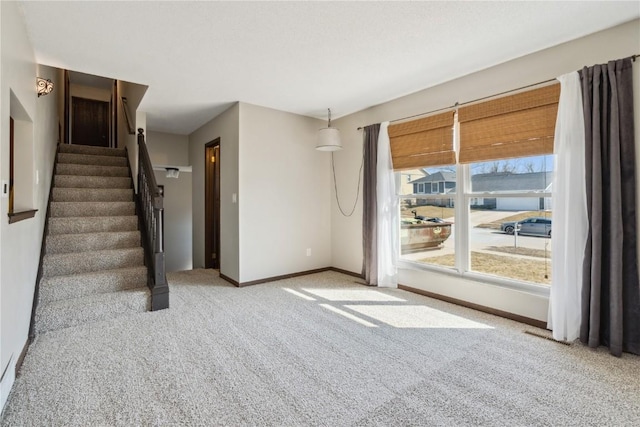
<point x="93" y="264"/>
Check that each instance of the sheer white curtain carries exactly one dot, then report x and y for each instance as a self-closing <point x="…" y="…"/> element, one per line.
<point x="570" y="222"/>
<point x="387" y="204"/>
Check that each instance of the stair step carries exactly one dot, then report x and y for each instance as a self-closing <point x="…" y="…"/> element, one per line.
<point x="89" y="159"/>
<point x="88" y="149"/>
<point x="78" y="181"/>
<point x="67" y="243"/>
<point x="91" y="170"/>
<point x="59" y="288"/>
<point x="91" y="308"/>
<point x="71" y="225"/>
<point x="65" y="209"/>
<point x="84" y="262"/>
<point x="92" y="194"/>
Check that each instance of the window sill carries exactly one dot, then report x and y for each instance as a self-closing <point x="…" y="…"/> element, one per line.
<point x="531" y="288"/>
<point x="22" y="215"/>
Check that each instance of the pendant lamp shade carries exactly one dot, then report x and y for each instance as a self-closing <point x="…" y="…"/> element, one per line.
<point x="329" y="138"/>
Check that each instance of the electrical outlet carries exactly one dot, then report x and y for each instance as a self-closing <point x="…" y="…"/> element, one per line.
<point x="234" y="198"/>
<point x="308" y="251"/>
<point x="5" y="189"/>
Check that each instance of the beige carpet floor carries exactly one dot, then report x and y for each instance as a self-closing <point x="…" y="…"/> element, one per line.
<point x="315" y="350"/>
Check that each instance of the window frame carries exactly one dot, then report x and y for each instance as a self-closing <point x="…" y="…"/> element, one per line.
<point x="462" y="254"/>
<point x="13" y="214"/>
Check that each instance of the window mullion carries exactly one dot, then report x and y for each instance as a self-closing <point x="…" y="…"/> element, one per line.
<point x="462" y="218"/>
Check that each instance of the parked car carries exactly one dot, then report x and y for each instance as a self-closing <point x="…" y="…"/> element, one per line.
<point x="535" y="226"/>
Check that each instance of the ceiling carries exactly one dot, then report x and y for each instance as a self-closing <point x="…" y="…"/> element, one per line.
<point x="199" y="57"/>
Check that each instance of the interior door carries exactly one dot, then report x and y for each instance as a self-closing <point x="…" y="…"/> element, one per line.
<point x="90" y="122"/>
<point x="212" y="204"/>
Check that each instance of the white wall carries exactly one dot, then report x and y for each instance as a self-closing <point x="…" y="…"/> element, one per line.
<point x="284" y="187"/>
<point x="134" y="94"/>
<point x="178" y="247"/>
<point x="168" y="148"/>
<point x="346" y="233"/>
<point x="226" y="127"/>
<point x="280" y="203"/>
<point x="21" y="241"/>
<point x="171" y="149"/>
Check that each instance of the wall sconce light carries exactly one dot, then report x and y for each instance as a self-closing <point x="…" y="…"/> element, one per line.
<point x="172" y="172"/>
<point x="45" y="86"/>
<point x="329" y="138"/>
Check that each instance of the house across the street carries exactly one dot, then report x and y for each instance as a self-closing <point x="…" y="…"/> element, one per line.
<point x="444" y="182"/>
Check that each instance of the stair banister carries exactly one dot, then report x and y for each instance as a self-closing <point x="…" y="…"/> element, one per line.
<point x="150" y="206"/>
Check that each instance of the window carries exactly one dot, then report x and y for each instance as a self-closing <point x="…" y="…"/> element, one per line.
<point x="490" y="212"/>
<point x="427" y="223"/>
<point x="21" y="165"/>
<point x="510" y="232"/>
<point x="427" y="219"/>
<point x="11" y="158"/>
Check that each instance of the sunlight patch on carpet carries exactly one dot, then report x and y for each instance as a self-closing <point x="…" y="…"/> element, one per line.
<point x="352" y="295"/>
<point x="416" y="316"/>
<point x="299" y="294"/>
<point x="348" y="315"/>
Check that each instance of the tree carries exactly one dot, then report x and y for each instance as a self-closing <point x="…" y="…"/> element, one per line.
<point x="529" y="167"/>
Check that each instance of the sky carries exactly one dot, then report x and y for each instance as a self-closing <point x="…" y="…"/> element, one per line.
<point x="519" y="165"/>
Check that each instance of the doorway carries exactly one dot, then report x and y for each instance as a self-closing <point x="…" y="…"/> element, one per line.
<point x="212" y="204"/>
<point x="90" y="122"/>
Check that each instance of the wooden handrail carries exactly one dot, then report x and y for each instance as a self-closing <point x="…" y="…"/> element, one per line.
<point x="149" y="202"/>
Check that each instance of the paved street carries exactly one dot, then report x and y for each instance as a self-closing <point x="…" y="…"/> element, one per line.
<point x="483" y="238"/>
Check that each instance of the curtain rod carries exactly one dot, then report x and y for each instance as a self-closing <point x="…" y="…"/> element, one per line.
<point x="633" y="58"/>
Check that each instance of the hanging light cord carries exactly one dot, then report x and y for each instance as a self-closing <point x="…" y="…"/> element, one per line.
<point x="335" y="186"/>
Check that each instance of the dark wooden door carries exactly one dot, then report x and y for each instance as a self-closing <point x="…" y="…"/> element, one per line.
<point x="90" y="122"/>
<point x="212" y="205"/>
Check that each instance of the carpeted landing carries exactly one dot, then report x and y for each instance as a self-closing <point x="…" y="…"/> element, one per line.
<point x="315" y="350"/>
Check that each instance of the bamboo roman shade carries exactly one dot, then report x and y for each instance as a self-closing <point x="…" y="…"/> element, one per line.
<point x="518" y="125"/>
<point x="423" y="142"/>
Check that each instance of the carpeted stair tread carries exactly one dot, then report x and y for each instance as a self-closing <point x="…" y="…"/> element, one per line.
<point x="59" y="288"/>
<point x="81" y="242"/>
<point x="91" y="170"/>
<point x="79" y="181"/>
<point x="93" y="268"/>
<point x="89" y="149"/>
<point x="64" y="209"/>
<point x="88" y="224"/>
<point x="88" y="159"/>
<point x="84" y="262"/>
<point x="92" y="194"/>
<point x="91" y="308"/>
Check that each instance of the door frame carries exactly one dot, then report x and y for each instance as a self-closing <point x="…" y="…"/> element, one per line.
<point x="212" y="204"/>
<point x="67" y="108"/>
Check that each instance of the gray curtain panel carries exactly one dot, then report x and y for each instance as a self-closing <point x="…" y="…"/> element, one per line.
<point x="610" y="292"/>
<point x="369" y="203"/>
